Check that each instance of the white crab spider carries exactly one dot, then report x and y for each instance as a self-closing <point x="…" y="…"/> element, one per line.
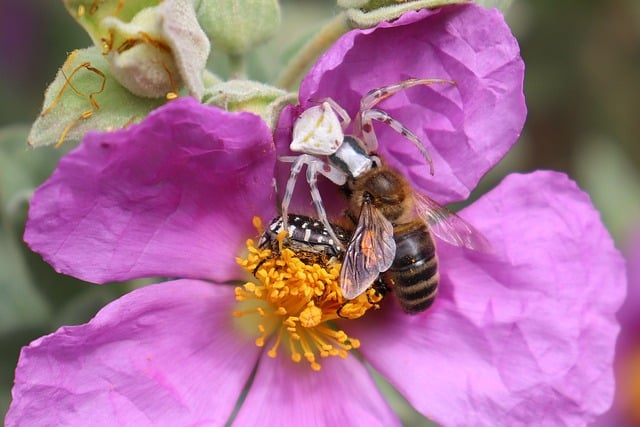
<point x="319" y="134"/>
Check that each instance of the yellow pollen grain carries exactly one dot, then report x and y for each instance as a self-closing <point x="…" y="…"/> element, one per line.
<point x="294" y="304"/>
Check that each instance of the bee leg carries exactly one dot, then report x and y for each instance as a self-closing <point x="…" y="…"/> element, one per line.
<point x="271" y="256"/>
<point x="255" y="270"/>
<point x="339" y="310"/>
<point x="369" y="136"/>
<point x="381" y="289"/>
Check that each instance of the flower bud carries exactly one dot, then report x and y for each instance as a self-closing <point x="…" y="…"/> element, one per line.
<point x="153" y="47"/>
<point x="244" y="95"/>
<point x="236" y="26"/>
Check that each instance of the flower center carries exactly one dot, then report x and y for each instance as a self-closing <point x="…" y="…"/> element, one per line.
<point x="297" y="297"/>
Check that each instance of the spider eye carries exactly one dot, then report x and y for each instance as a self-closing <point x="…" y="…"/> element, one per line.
<point x="376" y="161"/>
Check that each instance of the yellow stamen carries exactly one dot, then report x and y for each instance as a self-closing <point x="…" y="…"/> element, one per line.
<point x="296" y="303"/>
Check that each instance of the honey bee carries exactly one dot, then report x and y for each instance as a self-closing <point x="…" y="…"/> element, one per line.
<point x="394" y="238"/>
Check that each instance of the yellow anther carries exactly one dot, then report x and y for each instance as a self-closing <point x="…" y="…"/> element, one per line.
<point x="298" y="303"/>
<point x="257" y="223"/>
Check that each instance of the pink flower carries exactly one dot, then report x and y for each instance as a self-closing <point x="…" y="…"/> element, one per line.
<point x="522" y="336"/>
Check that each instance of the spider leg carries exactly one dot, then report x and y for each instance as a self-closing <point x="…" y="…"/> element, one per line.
<point x="298" y="162"/>
<point x="315" y="166"/>
<point x="373" y="97"/>
<point x="370" y="140"/>
<point x="312" y="177"/>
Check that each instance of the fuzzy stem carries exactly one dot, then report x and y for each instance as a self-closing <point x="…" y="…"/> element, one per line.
<point x="314" y="48"/>
<point x="237" y="67"/>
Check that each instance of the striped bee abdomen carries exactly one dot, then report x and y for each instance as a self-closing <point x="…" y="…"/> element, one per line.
<point x="413" y="276"/>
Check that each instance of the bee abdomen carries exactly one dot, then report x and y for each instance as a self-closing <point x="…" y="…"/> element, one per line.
<point x="415" y="290"/>
<point x="414" y="272"/>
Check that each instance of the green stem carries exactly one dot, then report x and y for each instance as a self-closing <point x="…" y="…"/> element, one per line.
<point x="237" y="67"/>
<point x="314" y="48"/>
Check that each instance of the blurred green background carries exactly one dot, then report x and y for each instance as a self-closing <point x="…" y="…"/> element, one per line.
<point x="583" y="95"/>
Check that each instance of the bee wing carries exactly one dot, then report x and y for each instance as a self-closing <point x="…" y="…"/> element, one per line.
<point x="370" y="251"/>
<point x="448" y="226"/>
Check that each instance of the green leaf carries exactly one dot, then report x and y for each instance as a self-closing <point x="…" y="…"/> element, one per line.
<point x="21" y="170"/>
<point x="84" y="96"/>
<point x="20" y="302"/>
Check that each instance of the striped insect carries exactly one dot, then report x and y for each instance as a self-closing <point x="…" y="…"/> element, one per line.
<point x="394" y="239"/>
<point x="307" y="237"/>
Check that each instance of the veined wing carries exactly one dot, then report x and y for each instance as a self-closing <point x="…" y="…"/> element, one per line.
<point x="370" y="251"/>
<point x="448" y="226"/>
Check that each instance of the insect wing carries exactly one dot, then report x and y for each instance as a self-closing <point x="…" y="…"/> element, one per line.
<point x="371" y="251"/>
<point x="448" y="226"/>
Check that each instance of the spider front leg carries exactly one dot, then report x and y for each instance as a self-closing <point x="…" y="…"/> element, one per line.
<point x="373" y="97"/>
<point x="362" y="123"/>
<point x="315" y="166"/>
<point x="371" y="142"/>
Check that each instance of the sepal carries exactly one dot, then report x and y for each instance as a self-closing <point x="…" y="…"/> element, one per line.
<point x="85" y="96"/>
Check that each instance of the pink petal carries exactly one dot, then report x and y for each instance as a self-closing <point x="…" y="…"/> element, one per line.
<point x="523" y="336"/>
<point x="467" y="128"/>
<point x="173" y="196"/>
<point x="341" y="394"/>
<point x="167" y="354"/>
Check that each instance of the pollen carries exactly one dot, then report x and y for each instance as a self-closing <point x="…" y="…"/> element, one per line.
<point x="297" y="303"/>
